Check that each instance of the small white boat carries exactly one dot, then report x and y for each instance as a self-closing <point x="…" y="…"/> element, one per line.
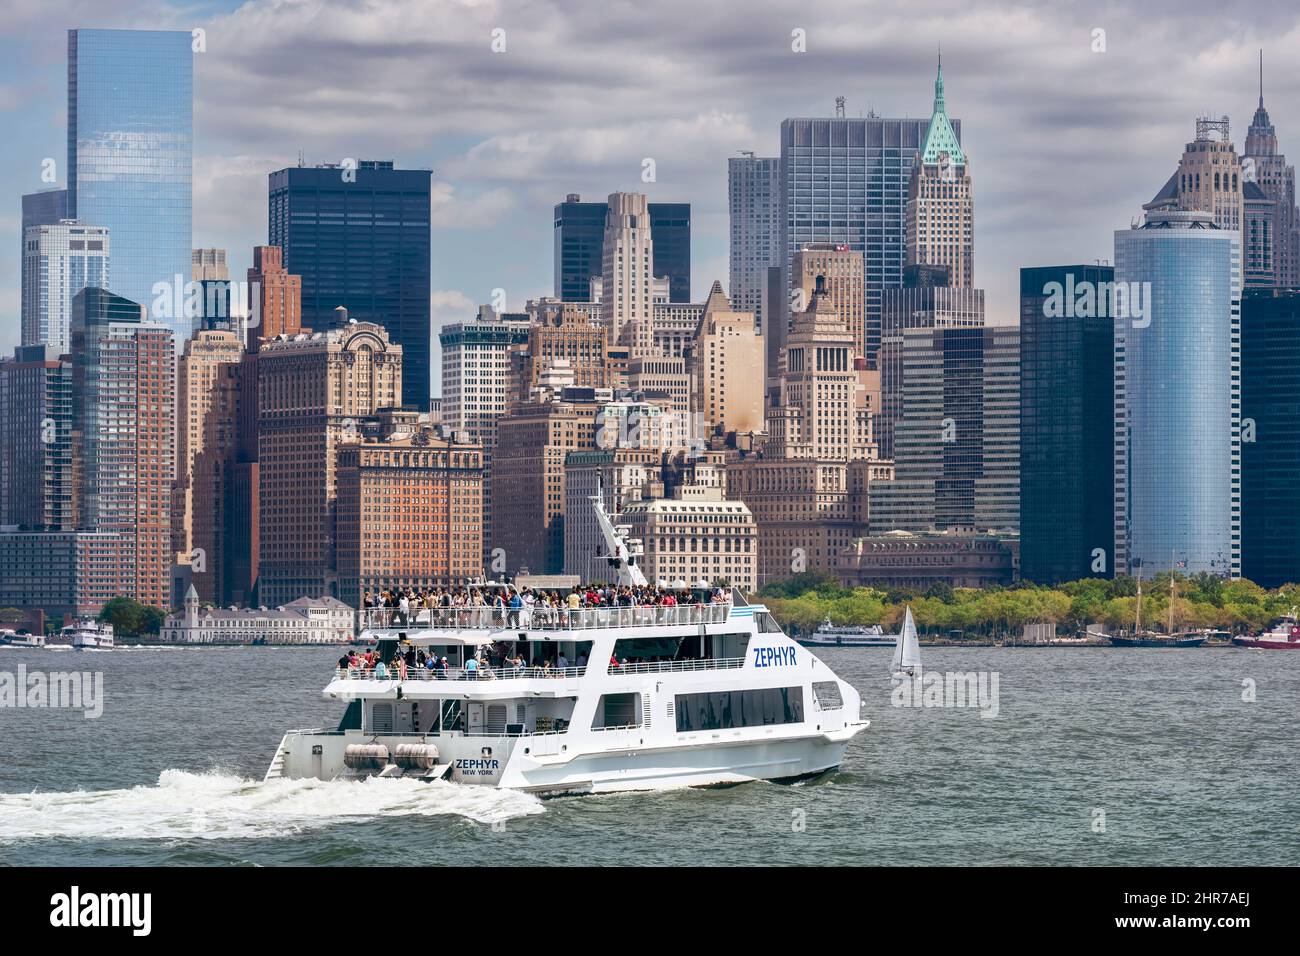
<point x="907" y="650"/>
<point x="847" y="635"/>
<point x="23" y="640"/>
<point x="88" y="635"/>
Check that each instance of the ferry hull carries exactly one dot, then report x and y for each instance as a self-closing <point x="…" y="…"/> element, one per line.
<point x="518" y="764"/>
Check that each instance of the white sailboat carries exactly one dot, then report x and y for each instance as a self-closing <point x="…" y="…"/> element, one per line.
<point x="907" y="651"/>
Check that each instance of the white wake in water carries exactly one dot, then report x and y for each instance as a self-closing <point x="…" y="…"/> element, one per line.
<point x="218" y="806"/>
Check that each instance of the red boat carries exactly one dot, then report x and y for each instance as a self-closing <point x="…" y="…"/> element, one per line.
<point x="1282" y="636"/>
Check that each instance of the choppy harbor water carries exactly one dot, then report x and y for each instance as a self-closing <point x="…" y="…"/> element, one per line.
<point x="1185" y="770"/>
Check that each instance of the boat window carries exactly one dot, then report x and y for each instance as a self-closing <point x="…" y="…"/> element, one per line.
<point x="692" y="648"/>
<point x="827" y="695"/>
<point x="617" y="710"/>
<point x="766" y="623"/>
<point x="722" y="710"/>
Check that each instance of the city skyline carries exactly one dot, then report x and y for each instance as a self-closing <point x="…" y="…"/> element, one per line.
<point x="1041" y="112"/>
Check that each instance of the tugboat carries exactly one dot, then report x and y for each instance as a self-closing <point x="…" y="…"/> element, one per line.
<point x="1282" y="636"/>
<point x="700" y="691"/>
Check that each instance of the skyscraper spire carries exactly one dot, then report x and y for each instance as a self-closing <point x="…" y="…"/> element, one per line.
<point x="1261" y="79"/>
<point x="941" y="138"/>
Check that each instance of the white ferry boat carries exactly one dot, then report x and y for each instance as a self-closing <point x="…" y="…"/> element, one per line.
<point x="704" y="692"/>
<point x="14" y="639"/>
<point x="88" y="634"/>
<point x="848" y="635"/>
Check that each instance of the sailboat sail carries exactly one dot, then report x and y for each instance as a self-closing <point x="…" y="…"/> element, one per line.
<point x="907" y="651"/>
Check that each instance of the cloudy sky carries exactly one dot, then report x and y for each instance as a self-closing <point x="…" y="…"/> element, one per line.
<point x="1065" y="143"/>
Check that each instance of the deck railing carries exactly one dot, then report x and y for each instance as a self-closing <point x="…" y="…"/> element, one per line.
<point x="667" y="667"/>
<point x="541" y="618"/>
<point x="421" y="673"/>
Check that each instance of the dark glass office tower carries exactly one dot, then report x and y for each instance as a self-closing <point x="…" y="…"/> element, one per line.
<point x="670" y="231"/>
<point x="1067" y="435"/>
<point x="360" y="239"/>
<point x="580" y="234"/>
<point x="1270" y="447"/>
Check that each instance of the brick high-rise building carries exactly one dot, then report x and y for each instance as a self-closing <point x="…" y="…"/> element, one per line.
<point x="314" y="393"/>
<point x="207" y="442"/>
<point x="123" y="409"/>
<point x="410" y="511"/>
<point x="527" y="480"/>
<point x="276" y="306"/>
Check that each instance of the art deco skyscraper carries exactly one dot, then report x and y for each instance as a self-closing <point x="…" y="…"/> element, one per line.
<point x="1208" y="178"/>
<point x="627" y="302"/>
<point x="940" y="209"/>
<point x="1266" y="167"/>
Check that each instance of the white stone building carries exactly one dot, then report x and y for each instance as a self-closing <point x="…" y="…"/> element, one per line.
<point x="323" y="620"/>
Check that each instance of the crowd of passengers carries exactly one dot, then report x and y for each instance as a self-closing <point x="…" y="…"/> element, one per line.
<point x="515" y="607"/>
<point x="488" y="663"/>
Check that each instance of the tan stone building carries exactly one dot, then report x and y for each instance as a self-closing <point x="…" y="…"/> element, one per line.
<point x="806" y="484"/>
<point x="727" y="366"/>
<point x="1208" y="179"/>
<point x="627" y="273"/>
<point x="207" y="437"/>
<point x="695" y="535"/>
<point x="940" y="204"/>
<point x="841" y="271"/>
<point x="561" y="334"/>
<point x="315" y="390"/>
<point x="410" y="511"/>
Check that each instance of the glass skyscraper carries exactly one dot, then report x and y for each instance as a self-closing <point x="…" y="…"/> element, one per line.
<point x="1270" y="449"/>
<point x="360" y="240"/>
<point x="754" y="192"/>
<point x="846" y="180"/>
<point x="1067" y="434"/>
<point x="1178" y="396"/>
<point x="130" y="146"/>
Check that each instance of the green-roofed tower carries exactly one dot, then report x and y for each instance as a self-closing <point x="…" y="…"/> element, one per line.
<point x="941" y="138"/>
<point x="940" y="210"/>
